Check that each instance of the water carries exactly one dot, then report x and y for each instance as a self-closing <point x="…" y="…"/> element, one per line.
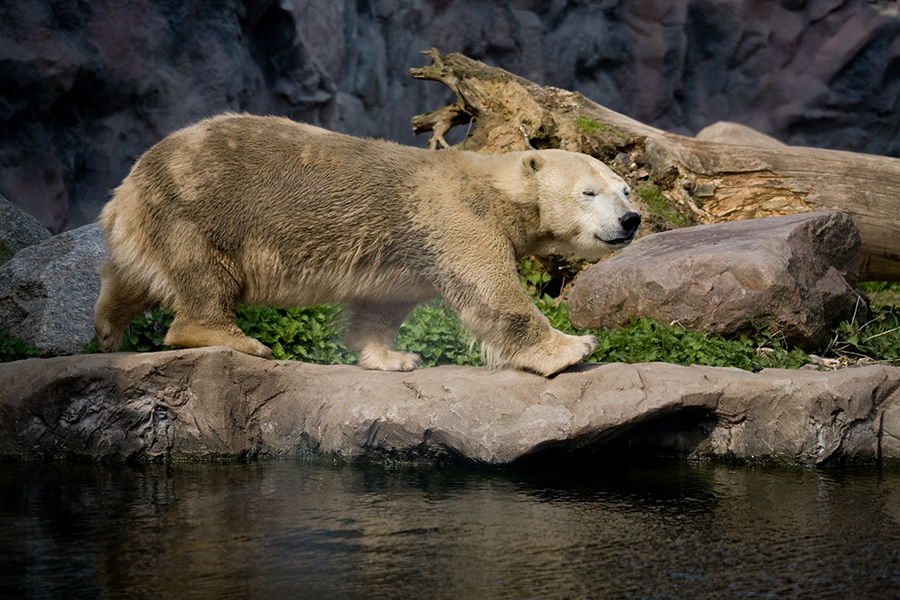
<point x="311" y="530"/>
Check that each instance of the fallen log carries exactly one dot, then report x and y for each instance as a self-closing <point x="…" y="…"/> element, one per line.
<point x="698" y="181"/>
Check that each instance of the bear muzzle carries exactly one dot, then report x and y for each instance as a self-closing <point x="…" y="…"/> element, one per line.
<point x="628" y="224"/>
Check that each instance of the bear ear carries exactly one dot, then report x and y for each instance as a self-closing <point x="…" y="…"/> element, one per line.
<point x="532" y="161"/>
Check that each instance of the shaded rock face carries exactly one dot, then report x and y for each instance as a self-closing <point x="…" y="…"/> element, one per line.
<point x="18" y="230"/>
<point x="795" y="273"/>
<point x="85" y="88"/>
<point x="216" y="403"/>
<point x="47" y="291"/>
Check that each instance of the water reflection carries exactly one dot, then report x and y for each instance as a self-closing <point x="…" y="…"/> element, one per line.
<point x="301" y="530"/>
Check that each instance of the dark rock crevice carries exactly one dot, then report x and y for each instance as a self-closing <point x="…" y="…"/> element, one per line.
<point x="675" y="434"/>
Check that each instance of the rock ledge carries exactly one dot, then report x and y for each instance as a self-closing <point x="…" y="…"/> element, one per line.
<point x="215" y="403"/>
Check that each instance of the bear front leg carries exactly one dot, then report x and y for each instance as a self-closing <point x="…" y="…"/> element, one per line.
<point x="502" y="314"/>
<point x="554" y="353"/>
<point x="372" y="334"/>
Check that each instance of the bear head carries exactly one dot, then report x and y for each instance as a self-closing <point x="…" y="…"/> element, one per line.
<point x="583" y="204"/>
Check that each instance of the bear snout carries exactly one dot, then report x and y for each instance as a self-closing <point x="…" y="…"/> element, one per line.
<point x="630" y="222"/>
<point x="628" y="226"/>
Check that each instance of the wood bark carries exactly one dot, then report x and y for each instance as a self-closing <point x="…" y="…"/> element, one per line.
<point x="702" y="180"/>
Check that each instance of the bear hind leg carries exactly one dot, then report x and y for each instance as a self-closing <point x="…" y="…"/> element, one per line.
<point x="116" y="307"/>
<point x="204" y="316"/>
<point x="186" y="332"/>
<point x="372" y="334"/>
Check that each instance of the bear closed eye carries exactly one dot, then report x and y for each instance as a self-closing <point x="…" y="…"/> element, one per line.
<point x="264" y="210"/>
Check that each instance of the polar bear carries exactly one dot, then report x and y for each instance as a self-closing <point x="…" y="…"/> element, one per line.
<point x="265" y="210"/>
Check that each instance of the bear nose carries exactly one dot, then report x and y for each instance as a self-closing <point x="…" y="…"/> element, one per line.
<point x="630" y="222"/>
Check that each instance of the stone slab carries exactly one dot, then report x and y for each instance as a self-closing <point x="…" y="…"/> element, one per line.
<point x="215" y="403"/>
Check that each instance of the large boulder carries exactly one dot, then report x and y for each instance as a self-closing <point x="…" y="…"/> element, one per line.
<point x="726" y="132"/>
<point x="217" y="403"/>
<point x="47" y="291"/>
<point x="795" y="274"/>
<point x="18" y="230"/>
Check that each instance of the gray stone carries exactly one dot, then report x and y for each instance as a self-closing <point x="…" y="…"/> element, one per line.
<point x="725" y="132"/>
<point x="47" y="291"/>
<point x="18" y="230"/>
<point x="795" y="274"/>
<point x="216" y="403"/>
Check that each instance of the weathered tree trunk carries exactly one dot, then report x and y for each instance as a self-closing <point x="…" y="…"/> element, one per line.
<point x="701" y="181"/>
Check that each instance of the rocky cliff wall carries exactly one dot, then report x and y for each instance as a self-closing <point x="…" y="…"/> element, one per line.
<point x="86" y="87"/>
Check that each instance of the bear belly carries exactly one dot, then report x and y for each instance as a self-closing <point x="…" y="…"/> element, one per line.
<point x="316" y="286"/>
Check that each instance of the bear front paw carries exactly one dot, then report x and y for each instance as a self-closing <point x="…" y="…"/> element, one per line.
<point x="555" y="354"/>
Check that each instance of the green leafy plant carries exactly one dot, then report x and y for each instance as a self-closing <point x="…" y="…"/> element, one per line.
<point x="434" y="332"/>
<point x="13" y="348"/>
<point x="313" y="334"/>
<point x="877" y="339"/>
<point x="534" y="279"/>
<point x="310" y="334"/>
<point x="148" y="332"/>
<point x="646" y="340"/>
<point x="145" y="334"/>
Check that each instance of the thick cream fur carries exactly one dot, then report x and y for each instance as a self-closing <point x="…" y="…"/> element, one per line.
<point x="265" y="210"/>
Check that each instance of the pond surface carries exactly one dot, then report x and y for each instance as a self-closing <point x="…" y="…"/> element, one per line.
<point x="294" y="529"/>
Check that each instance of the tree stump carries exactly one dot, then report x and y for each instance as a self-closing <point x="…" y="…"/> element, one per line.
<point x="681" y="180"/>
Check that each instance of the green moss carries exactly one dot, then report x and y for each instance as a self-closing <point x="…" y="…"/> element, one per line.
<point x="592" y="127"/>
<point x="659" y="206"/>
